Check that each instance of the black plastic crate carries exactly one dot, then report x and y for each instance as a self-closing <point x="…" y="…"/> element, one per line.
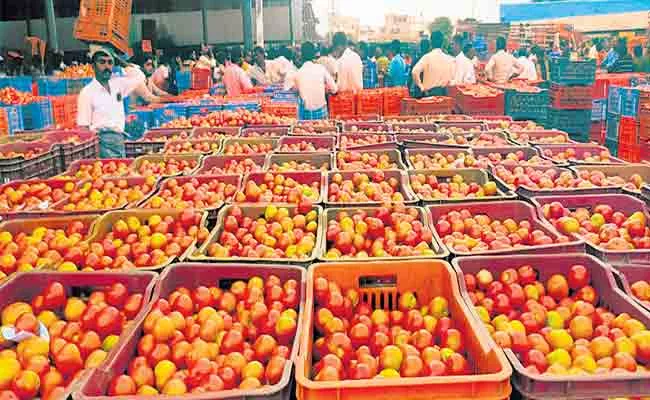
<point x="41" y="166"/>
<point x="577" y="123"/>
<point x="567" y="72"/>
<point x="526" y="105"/>
<point x="136" y="148"/>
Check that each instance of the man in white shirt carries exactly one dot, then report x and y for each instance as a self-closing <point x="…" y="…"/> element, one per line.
<point x="328" y="61"/>
<point x="435" y="70"/>
<point x="502" y="64"/>
<point x="312" y="81"/>
<point x="465" y="73"/>
<point x="526" y="66"/>
<point x="258" y="71"/>
<point x="100" y="105"/>
<point x="349" y="66"/>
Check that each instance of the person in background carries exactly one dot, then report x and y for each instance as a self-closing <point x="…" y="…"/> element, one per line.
<point x="542" y="65"/>
<point x="435" y="70"/>
<point x="611" y="55"/>
<point x="369" y="67"/>
<point x="465" y="73"/>
<point x="257" y="70"/>
<point x="235" y="79"/>
<point x="641" y="62"/>
<point x="397" y="70"/>
<point x="327" y="61"/>
<point x="623" y="61"/>
<point x="382" y="62"/>
<point x="100" y="104"/>
<point x="312" y="82"/>
<point x="248" y="60"/>
<point x="526" y="66"/>
<point x="425" y="46"/>
<point x="349" y="66"/>
<point x="220" y="59"/>
<point x="157" y="78"/>
<point x="502" y="64"/>
<point x="206" y="61"/>
<point x="457" y="45"/>
<point x="281" y="67"/>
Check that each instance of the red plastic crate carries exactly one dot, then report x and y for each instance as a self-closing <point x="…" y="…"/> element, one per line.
<point x="370" y="101"/>
<point x="393" y="99"/>
<point x="493" y="105"/>
<point x="4" y="122"/>
<point x="342" y="104"/>
<point x="629" y="152"/>
<point x="597" y="132"/>
<point x="104" y="21"/>
<point x="201" y="78"/>
<point x="429" y="105"/>
<point x="628" y="131"/>
<point x="192" y="275"/>
<point x="571" y="97"/>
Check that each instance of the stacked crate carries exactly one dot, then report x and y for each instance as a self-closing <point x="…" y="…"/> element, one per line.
<point x="599" y="110"/>
<point x="571" y="96"/>
<point x="626" y="106"/>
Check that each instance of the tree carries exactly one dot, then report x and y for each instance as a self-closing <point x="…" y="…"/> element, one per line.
<point x="442" y="24"/>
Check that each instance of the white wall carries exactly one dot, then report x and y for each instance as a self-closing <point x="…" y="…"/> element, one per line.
<point x="224" y="26"/>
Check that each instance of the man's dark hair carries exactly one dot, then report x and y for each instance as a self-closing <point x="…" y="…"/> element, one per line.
<point x="286" y="53"/>
<point x="523" y="52"/>
<point x="436" y="39"/>
<point x="396" y="46"/>
<point x="235" y="54"/>
<point x="458" y="39"/>
<point x="308" y="51"/>
<point x="468" y="47"/>
<point x="501" y="43"/>
<point x="339" y="40"/>
<point x="98" y="54"/>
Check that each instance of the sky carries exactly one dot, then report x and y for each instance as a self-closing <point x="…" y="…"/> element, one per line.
<point x="371" y="12"/>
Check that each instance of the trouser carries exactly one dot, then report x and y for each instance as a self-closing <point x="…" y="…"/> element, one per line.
<point x="111" y="144"/>
<point x="436" y="91"/>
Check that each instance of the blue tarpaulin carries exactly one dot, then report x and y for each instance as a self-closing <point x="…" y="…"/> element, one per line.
<point x="571" y="8"/>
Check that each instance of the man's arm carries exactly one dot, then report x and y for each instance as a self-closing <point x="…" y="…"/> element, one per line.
<point x="245" y="81"/>
<point x="489" y="68"/>
<point x="84" y="110"/>
<point x="417" y="70"/>
<point x="330" y="85"/>
<point x="134" y="78"/>
<point x="146" y="94"/>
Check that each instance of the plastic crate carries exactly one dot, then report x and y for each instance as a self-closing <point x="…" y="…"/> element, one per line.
<point x="612" y="127"/>
<point x="75" y="166"/>
<point x="342" y="104"/>
<point x="628" y="130"/>
<point x="614" y="100"/>
<point x="64" y="111"/>
<point x="305" y="162"/>
<point x="553" y="387"/>
<point x="403" y="187"/>
<point x="413" y="127"/>
<point x="466" y="125"/>
<point x="132" y="181"/>
<point x="202" y="109"/>
<point x="394" y="157"/>
<point x="20" y="83"/>
<point x="44" y="165"/>
<point x="515" y="209"/>
<point x="599" y="110"/>
<point x="624" y="171"/>
<point x="526" y="105"/>
<point x="265" y="131"/>
<point x="74" y="85"/>
<point x="471" y="105"/>
<point x="14" y="119"/>
<point x="393" y="98"/>
<point x="549" y="152"/>
<point x="192" y="275"/>
<point x="48" y="86"/>
<point x="427" y="106"/>
<point x="620" y="202"/>
<point x="370" y="101"/>
<point x="37" y="115"/>
<point x="273" y="142"/>
<point x="365" y="127"/>
<point x="135" y="167"/>
<point x="411" y="155"/>
<point x="470" y="175"/>
<point x="214" y="133"/>
<point x="210" y="164"/>
<point x="201" y="78"/>
<point x="168" y="113"/>
<point x="301" y="177"/>
<point x="320" y="143"/>
<point x="567" y="72"/>
<point x="183" y="81"/>
<point x="214" y="146"/>
<point x="629" y="152"/>
<point x="254" y="211"/>
<point x="570" y="97"/>
<point x="575" y="122"/>
<point x="628" y="274"/>
<point x="73" y="145"/>
<point x="533" y="138"/>
<point x="25" y="286"/>
<point x="104" y="22"/>
<point x="104" y="225"/>
<point x="143" y="116"/>
<point x="380" y="284"/>
<point x="629" y="102"/>
<point x="612" y="146"/>
<point x="358" y="141"/>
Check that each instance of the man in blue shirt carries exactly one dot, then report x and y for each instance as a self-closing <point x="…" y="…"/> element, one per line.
<point x="369" y="67"/>
<point x="397" y="73"/>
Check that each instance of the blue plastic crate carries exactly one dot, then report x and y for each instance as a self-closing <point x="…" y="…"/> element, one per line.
<point x="75" y="85"/>
<point x="14" y="118"/>
<point x="142" y="117"/>
<point x="169" y="113"/>
<point x="614" y="100"/>
<point x="575" y="122"/>
<point x="37" y="115"/>
<point x="523" y="105"/>
<point x="234" y="106"/>
<point x="52" y="86"/>
<point x="183" y="81"/>
<point x="567" y="72"/>
<point x="599" y="110"/>
<point x="611" y="131"/>
<point x="612" y="146"/>
<point x="629" y="102"/>
<point x="20" y="83"/>
<point x="202" y="109"/>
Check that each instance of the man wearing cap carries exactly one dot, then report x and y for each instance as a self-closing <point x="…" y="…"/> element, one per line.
<point x="100" y="105"/>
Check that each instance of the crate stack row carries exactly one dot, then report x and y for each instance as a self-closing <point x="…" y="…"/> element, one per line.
<point x="570" y="97"/>
<point x="375" y="102"/>
<point x="628" y="122"/>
